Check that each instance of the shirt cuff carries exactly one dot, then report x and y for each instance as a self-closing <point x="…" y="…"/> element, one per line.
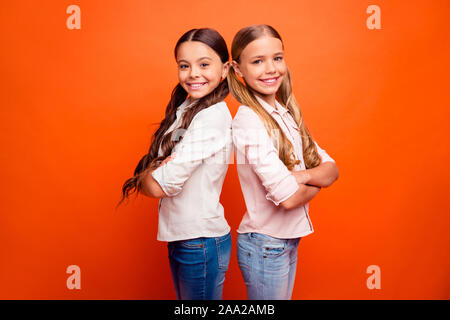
<point x="284" y="190"/>
<point x="159" y="175"/>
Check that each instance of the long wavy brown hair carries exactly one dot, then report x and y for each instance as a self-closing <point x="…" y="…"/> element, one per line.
<point x="244" y="94"/>
<point x="151" y="160"/>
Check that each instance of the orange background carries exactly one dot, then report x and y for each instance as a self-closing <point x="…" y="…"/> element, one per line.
<point x="78" y="108"/>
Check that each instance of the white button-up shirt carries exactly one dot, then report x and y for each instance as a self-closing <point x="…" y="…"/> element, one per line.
<point x="264" y="178"/>
<point x="193" y="180"/>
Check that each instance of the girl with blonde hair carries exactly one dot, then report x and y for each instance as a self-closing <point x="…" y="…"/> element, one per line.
<point x="280" y="167"/>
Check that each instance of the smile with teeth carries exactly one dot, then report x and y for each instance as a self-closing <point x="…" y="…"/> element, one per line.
<point x="269" y="81"/>
<point x="196" y="85"/>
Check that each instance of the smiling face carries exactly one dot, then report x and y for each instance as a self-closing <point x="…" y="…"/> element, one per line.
<point x="200" y="69"/>
<point x="262" y="66"/>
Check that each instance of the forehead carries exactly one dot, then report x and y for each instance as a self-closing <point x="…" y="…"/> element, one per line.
<point x="264" y="46"/>
<point x="194" y="50"/>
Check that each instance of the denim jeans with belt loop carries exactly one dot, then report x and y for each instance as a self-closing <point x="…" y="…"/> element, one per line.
<point x="198" y="267"/>
<point x="268" y="265"/>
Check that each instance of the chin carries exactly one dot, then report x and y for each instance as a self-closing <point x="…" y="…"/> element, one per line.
<point x="197" y="95"/>
<point x="268" y="92"/>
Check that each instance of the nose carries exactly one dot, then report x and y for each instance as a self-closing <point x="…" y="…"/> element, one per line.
<point x="270" y="67"/>
<point x="195" y="72"/>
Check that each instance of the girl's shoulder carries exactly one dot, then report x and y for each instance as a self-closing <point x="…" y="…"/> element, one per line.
<point x="245" y="116"/>
<point x="219" y="108"/>
<point x="217" y="112"/>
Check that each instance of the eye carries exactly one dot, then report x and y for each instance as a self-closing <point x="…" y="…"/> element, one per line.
<point x="204" y="65"/>
<point x="257" y="61"/>
<point x="278" y="58"/>
<point x="183" y="66"/>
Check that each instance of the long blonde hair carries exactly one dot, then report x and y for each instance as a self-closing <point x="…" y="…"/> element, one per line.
<point x="242" y="93"/>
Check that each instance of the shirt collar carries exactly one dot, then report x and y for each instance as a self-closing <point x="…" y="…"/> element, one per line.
<point x="186" y="103"/>
<point x="280" y="109"/>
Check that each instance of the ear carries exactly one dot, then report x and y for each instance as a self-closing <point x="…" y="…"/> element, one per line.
<point x="236" y="68"/>
<point x="225" y="69"/>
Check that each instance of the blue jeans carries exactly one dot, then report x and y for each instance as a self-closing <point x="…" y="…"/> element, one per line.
<point x="198" y="267"/>
<point x="268" y="265"/>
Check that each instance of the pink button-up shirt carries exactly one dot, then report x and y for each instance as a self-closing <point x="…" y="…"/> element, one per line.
<point x="264" y="179"/>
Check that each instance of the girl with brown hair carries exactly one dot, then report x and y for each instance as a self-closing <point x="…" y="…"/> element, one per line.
<point x="186" y="167"/>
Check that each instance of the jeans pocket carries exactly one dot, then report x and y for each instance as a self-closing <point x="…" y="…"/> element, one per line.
<point x="270" y="246"/>
<point x="261" y="237"/>
<point x="223" y="245"/>
<point x="191" y="243"/>
<point x="245" y="250"/>
<point x="273" y="249"/>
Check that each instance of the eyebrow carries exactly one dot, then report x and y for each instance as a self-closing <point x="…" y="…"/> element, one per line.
<point x="276" y="54"/>
<point x="199" y="59"/>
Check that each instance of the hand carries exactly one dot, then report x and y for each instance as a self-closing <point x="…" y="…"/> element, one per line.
<point x="171" y="157"/>
<point x="301" y="176"/>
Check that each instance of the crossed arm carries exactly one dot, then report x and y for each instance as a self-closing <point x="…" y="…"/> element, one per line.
<point x="310" y="181"/>
<point x="151" y="187"/>
<point x="289" y="189"/>
<point x="208" y="134"/>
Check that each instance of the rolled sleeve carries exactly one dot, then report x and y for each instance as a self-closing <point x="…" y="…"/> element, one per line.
<point x="254" y="147"/>
<point x="159" y="176"/>
<point x="209" y="133"/>
<point x="285" y="189"/>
